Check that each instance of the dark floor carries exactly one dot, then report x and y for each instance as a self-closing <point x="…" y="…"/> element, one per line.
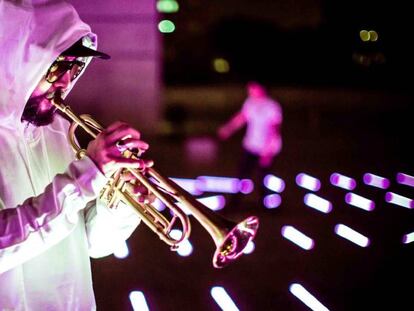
<point x="342" y="275"/>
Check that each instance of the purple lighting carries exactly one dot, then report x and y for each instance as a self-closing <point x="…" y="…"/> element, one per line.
<point x="308" y="182"/>
<point x="294" y="235"/>
<point x="318" y="203"/>
<point x="272" y="200"/>
<point x="306" y="297"/>
<point x="223" y="299"/>
<point x="405" y="179"/>
<point x="400" y="200"/>
<point x="342" y="181"/>
<point x="376" y="181"/>
<point x="359" y="201"/>
<point x="351" y="235"/>
<point x="274" y="183"/>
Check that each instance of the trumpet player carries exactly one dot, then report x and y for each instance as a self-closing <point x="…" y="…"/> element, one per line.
<point x="50" y="219"/>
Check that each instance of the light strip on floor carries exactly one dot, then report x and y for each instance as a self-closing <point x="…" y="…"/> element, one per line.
<point x="342" y="181"/>
<point x="376" y="181"/>
<point x="218" y="184"/>
<point x="221" y="297"/>
<point x="351" y="235"/>
<point x="272" y="200"/>
<point x="308" y="182"/>
<point x="399" y="200"/>
<point x="318" y="203"/>
<point x="138" y="301"/>
<point x="405" y="179"/>
<point x="122" y="250"/>
<point x="297" y="237"/>
<point x="306" y="297"/>
<point x="359" y="201"/>
<point x="274" y="183"/>
<point x="185" y="248"/>
<point x="408" y="238"/>
<point x="189" y="185"/>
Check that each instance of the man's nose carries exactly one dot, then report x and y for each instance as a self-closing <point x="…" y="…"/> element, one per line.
<point x="64" y="81"/>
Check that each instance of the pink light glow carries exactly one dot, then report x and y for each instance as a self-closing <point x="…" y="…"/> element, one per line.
<point x="400" y="200"/>
<point x="292" y="234"/>
<point x="274" y="183"/>
<point x="308" y="182"/>
<point x="342" y="181"/>
<point x="272" y="200"/>
<point x="408" y="238"/>
<point x="138" y="301"/>
<point x="306" y="297"/>
<point x="351" y="235"/>
<point x="376" y="181"/>
<point x="246" y="186"/>
<point x="359" y="201"/>
<point x="405" y="179"/>
<point x="223" y="299"/>
<point x="318" y="203"/>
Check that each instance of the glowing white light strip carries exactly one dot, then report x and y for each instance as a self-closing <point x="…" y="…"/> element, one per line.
<point x="307" y="298"/>
<point x="221" y="297"/>
<point x="297" y="237"/>
<point x="215" y="203"/>
<point x="405" y="179"/>
<point x="376" y="181"/>
<point x="185" y="248"/>
<point x="408" y="238"/>
<point x="122" y="250"/>
<point x="308" y="182"/>
<point x="351" y="235"/>
<point x="274" y="183"/>
<point x="272" y="200"/>
<point x="318" y="203"/>
<point x="189" y="185"/>
<point x="342" y="181"/>
<point x="400" y="200"/>
<point x="138" y="301"/>
<point x="218" y="184"/>
<point x="359" y="201"/>
<point x="249" y="248"/>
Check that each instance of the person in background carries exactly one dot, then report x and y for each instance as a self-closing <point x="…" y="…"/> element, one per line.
<point x="51" y="220"/>
<point x="262" y="141"/>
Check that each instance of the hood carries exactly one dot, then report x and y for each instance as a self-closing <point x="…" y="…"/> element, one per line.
<point x="33" y="33"/>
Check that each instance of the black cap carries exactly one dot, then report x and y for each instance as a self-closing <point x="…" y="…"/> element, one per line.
<point x="80" y="50"/>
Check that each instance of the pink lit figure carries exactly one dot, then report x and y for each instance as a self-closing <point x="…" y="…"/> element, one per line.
<point x="262" y="142"/>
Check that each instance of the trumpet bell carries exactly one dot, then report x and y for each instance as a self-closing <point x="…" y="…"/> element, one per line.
<point x="231" y="246"/>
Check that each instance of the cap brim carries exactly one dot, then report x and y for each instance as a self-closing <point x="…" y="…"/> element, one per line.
<point x="80" y="50"/>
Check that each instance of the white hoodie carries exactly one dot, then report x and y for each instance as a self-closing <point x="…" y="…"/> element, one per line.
<point x="50" y="220"/>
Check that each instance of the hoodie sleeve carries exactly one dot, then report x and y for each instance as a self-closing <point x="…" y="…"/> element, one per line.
<point x="107" y="229"/>
<point x="42" y="221"/>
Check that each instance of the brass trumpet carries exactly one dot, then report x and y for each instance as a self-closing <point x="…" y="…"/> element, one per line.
<point x="230" y="238"/>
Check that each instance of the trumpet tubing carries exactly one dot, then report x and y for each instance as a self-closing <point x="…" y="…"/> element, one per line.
<point x="229" y="237"/>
